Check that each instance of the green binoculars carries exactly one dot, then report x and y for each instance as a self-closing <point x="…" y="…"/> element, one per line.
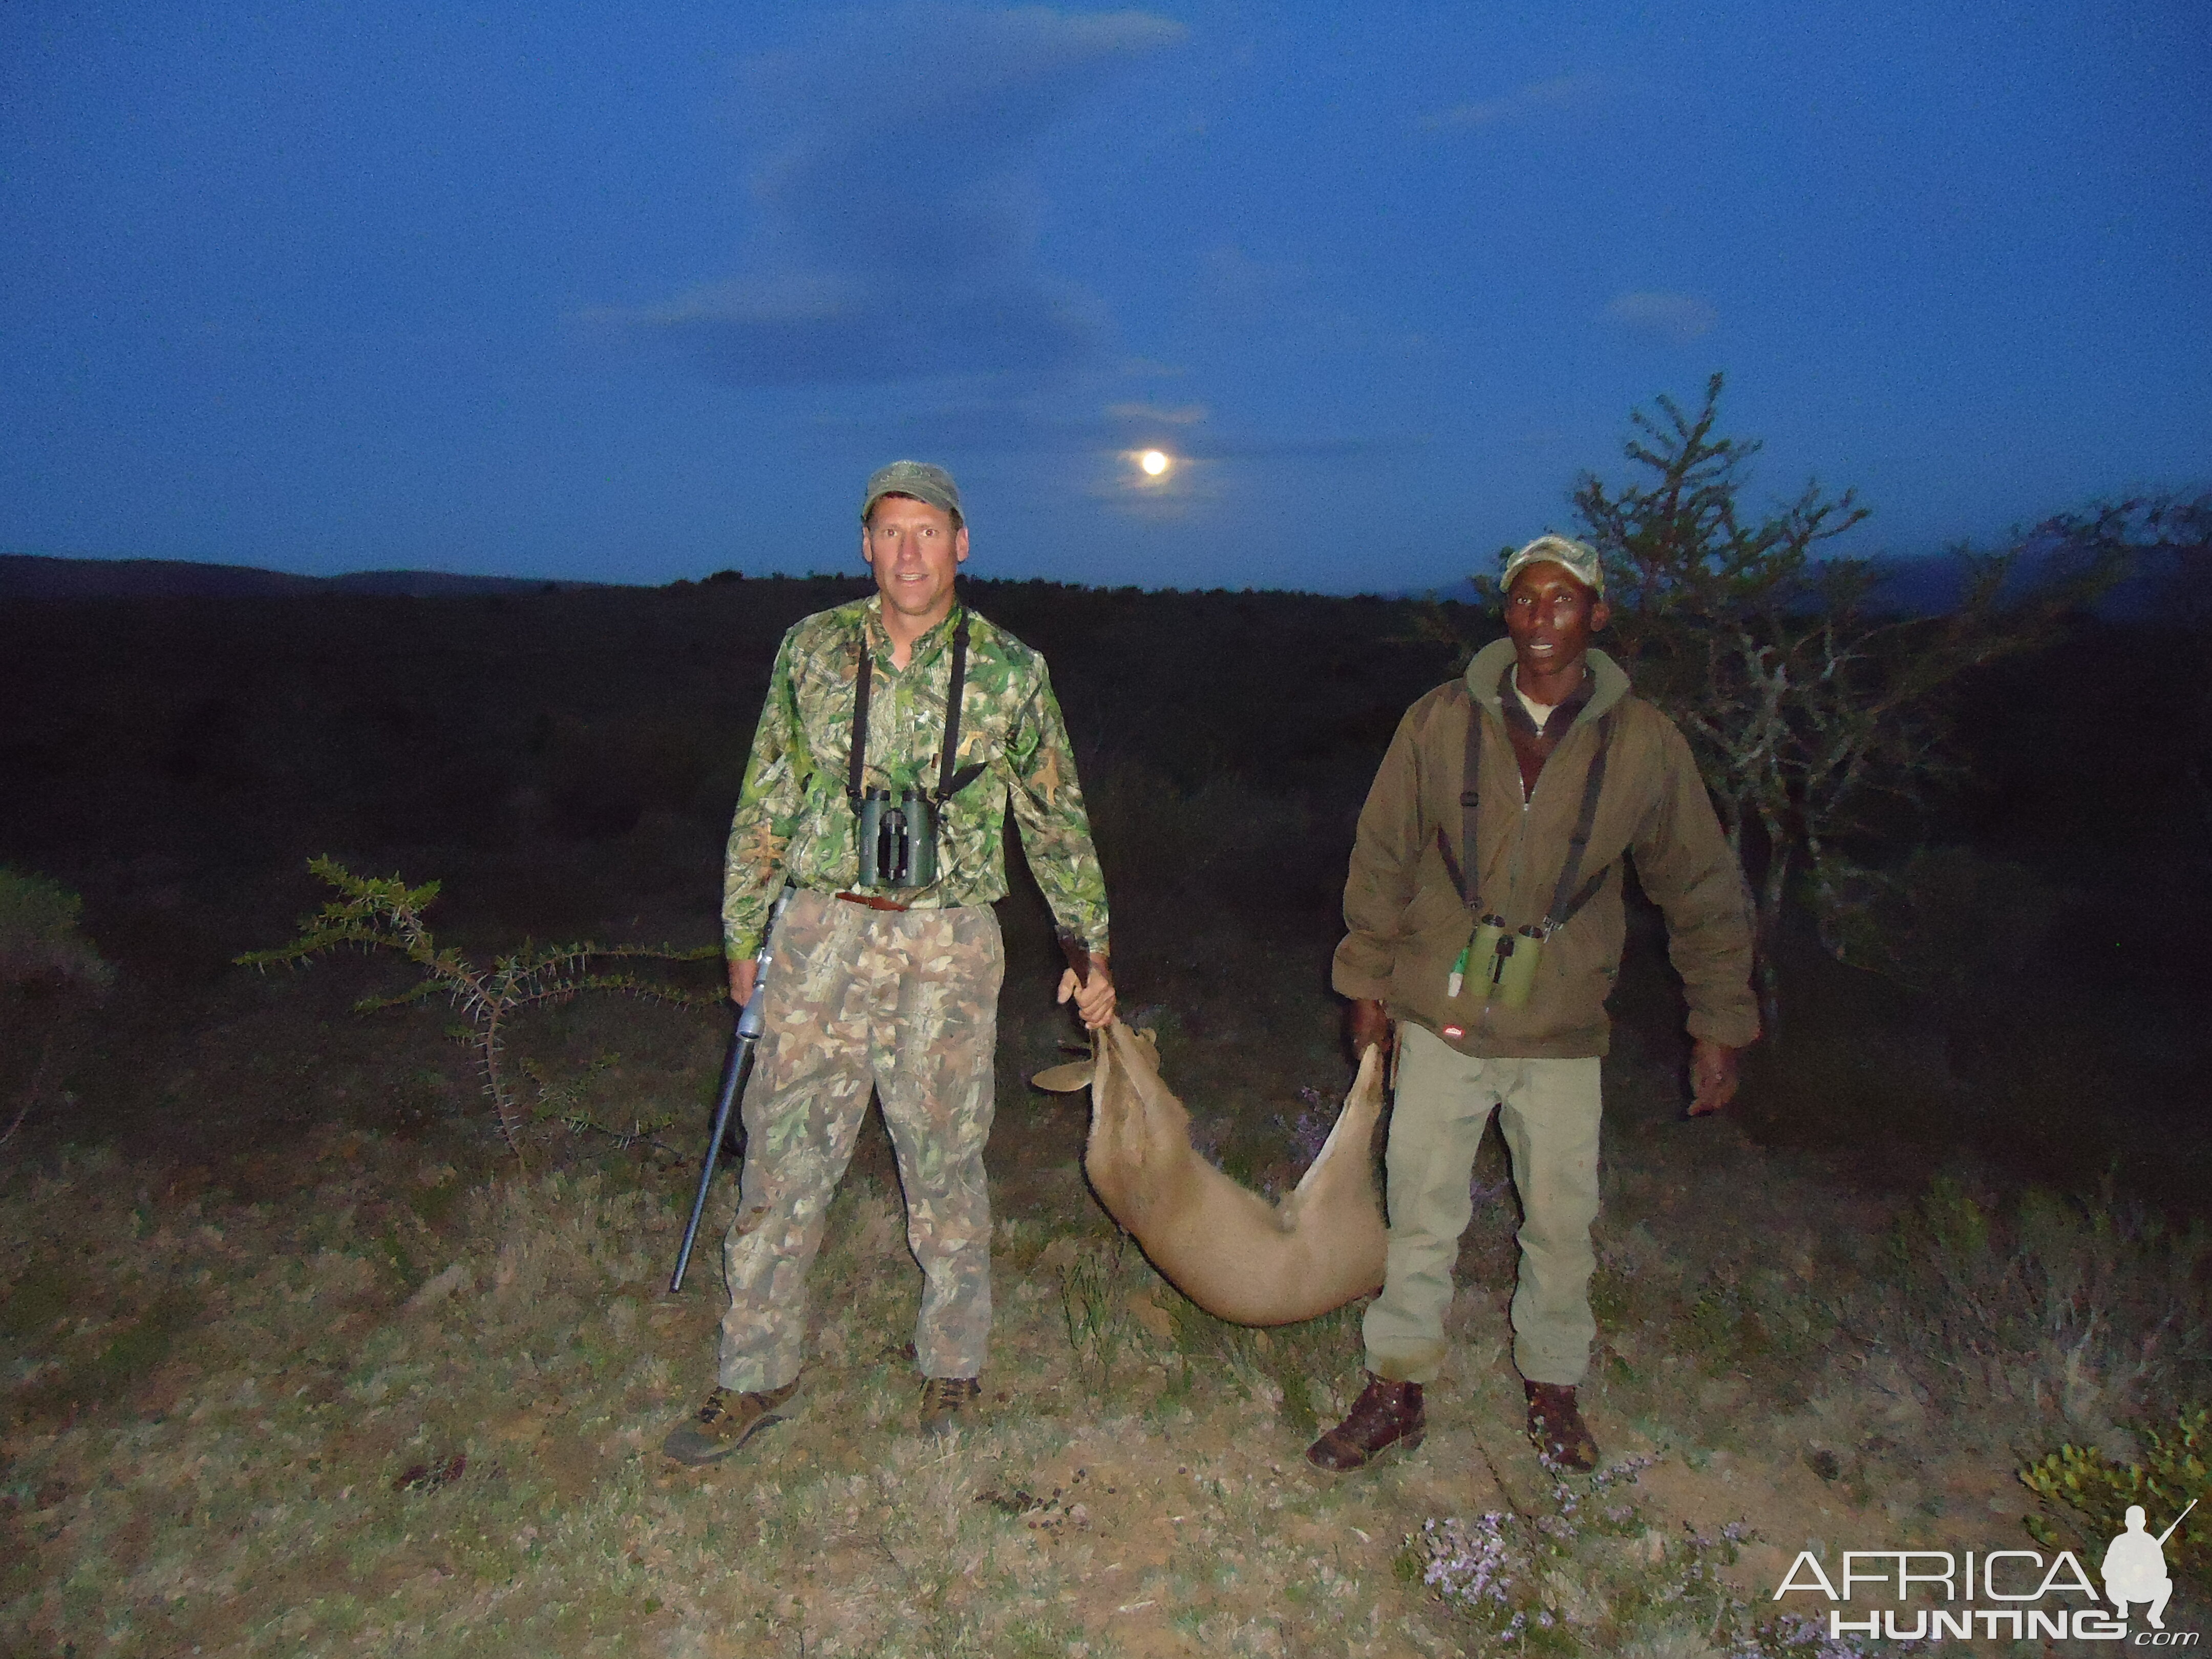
<point x="897" y="839"/>
<point x="1503" y="962"/>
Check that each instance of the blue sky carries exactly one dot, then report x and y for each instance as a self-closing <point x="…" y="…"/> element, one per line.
<point x="639" y="293"/>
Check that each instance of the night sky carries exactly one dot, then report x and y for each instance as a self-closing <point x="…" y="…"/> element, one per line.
<point x="636" y="293"/>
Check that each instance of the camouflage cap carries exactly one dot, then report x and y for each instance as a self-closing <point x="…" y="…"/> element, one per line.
<point x="919" y="479"/>
<point x="1578" y="559"/>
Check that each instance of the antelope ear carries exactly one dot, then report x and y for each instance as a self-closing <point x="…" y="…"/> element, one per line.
<point x="1065" y="1080"/>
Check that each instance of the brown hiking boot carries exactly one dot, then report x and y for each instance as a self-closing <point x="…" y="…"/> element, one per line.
<point x="1386" y="1414"/>
<point x="944" y="1399"/>
<point x="726" y="1421"/>
<point x="1555" y="1424"/>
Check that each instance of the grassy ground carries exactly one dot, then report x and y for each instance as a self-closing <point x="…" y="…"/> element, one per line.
<point x="413" y="1405"/>
<point x="295" y="1357"/>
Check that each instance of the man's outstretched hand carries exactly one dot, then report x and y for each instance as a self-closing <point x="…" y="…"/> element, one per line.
<point x="1712" y="1077"/>
<point x="1093" y="994"/>
<point x="1371" y="1028"/>
<point x="742" y="973"/>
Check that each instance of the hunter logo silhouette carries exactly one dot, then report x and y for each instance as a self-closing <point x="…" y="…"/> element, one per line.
<point x="2135" y="1567"/>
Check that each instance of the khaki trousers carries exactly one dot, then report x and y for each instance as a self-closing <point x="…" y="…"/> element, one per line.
<point x="905" y="1003"/>
<point x="1548" y="1111"/>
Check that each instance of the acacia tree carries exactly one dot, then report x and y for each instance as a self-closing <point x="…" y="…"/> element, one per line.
<point x="1806" y="700"/>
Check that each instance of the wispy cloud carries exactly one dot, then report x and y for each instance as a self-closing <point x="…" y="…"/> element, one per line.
<point x="1042" y="426"/>
<point x="1560" y="96"/>
<point x="1186" y="414"/>
<point x="1679" y="318"/>
<point x="897" y="207"/>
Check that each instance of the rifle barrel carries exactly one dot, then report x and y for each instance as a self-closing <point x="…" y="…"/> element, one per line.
<point x="2178" y="1520"/>
<point x="733" y="1070"/>
<point x="752" y="1020"/>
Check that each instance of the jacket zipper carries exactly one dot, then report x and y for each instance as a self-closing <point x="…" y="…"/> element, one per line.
<point x="1513" y="864"/>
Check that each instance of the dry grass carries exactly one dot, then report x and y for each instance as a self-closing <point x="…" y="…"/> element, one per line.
<point x="416" y="1407"/>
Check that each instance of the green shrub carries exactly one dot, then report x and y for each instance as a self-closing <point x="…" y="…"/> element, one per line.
<point x="40" y="948"/>
<point x="2087" y="1308"/>
<point x="50" y="974"/>
<point x="2170" y="1477"/>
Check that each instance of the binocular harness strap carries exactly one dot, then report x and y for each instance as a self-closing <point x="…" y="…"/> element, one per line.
<point x="1470" y="779"/>
<point x="949" y="782"/>
<point x="862" y="678"/>
<point x="1566" y="899"/>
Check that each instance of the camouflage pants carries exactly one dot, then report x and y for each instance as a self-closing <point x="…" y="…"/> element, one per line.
<point x="907" y="1003"/>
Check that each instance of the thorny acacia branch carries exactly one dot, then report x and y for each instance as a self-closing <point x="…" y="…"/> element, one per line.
<point x="384" y="913"/>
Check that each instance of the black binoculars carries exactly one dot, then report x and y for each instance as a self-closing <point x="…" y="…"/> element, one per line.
<point x="897" y="839"/>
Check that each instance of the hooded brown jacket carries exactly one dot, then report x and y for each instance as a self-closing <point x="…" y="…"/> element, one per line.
<point x="1408" y="922"/>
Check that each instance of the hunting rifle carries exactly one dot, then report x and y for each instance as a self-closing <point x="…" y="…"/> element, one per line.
<point x="750" y="1020"/>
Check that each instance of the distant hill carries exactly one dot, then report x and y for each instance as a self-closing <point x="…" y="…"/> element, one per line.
<point x="31" y="576"/>
<point x="1932" y="583"/>
<point x="1919" y="586"/>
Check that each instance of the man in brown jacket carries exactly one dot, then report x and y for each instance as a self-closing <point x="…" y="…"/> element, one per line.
<point x="1484" y="906"/>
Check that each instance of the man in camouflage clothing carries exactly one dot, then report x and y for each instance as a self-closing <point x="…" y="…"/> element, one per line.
<point x="890" y="988"/>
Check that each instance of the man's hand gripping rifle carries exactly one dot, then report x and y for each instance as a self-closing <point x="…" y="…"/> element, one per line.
<point x="750" y="1019"/>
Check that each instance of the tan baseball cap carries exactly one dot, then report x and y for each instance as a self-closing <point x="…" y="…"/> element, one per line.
<point x="1578" y="559"/>
<point x="919" y="479"/>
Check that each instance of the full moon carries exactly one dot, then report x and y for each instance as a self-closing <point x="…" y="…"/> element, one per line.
<point x="1155" y="462"/>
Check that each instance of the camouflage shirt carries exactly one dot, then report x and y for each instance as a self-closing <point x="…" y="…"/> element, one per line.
<point x="793" y="816"/>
